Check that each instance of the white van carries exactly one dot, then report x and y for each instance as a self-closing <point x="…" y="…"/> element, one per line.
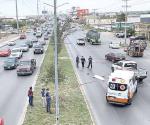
<point x="122" y="85"/>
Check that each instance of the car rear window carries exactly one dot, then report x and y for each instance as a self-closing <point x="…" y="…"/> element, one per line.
<point x="131" y="65"/>
<point x="117" y="86"/>
<point x="22" y="63"/>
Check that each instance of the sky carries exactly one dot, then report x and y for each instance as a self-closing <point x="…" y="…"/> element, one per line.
<point x="29" y="7"/>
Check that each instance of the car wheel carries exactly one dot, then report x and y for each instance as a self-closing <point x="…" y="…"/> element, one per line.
<point x="136" y="90"/>
<point x="129" y="101"/>
<point x="106" y="57"/>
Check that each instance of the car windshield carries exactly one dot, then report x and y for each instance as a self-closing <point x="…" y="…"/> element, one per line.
<point x="37" y="46"/>
<point x="131" y="65"/>
<point x="9" y="61"/>
<point x="22" y="63"/>
<point x="82" y="39"/>
<point x="15" y="50"/>
<point x="27" y="42"/>
<point x="14" y="54"/>
<point x="24" y="45"/>
<point x="119" y="54"/>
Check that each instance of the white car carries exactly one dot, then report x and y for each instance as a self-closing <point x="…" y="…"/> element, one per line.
<point x="24" y="48"/>
<point x="11" y="43"/>
<point x="38" y="34"/>
<point x="16" y="52"/>
<point x="124" y="65"/>
<point x="114" y="45"/>
<point x="81" y="41"/>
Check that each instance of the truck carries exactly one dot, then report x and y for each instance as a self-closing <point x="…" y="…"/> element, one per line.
<point x="140" y="73"/>
<point x="136" y="48"/>
<point x="93" y="37"/>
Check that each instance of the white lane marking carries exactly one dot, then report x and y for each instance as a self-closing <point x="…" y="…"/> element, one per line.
<point x="22" y="117"/>
<point x="99" y="77"/>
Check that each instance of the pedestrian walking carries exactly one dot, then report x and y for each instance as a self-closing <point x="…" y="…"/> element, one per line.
<point x="43" y="94"/>
<point x="48" y="102"/>
<point x="30" y="95"/>
<point x="77" y="61"/>
<point x="82" y="61"/>
<point x="90" y="62"/>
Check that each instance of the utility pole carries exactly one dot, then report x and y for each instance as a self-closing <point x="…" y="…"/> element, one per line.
<point x="17" y="16"/>
<point x="56" y="63"/>
<point x="94" y="14"/>
<point x="126" y="15"/>
<point x="38" y="11"/>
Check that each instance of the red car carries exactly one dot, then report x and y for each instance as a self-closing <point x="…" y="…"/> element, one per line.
<point x="23" y="36"/>
<point x="5" y="53"/>
<point x="114" y="57"/>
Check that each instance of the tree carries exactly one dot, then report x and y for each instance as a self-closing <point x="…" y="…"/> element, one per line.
<point x="121" y="17"/>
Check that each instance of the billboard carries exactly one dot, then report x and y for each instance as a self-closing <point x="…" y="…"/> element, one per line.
<point x="82" y="12"/>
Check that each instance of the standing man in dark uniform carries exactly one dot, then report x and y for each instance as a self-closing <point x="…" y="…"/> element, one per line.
<point x="77" y="61"/>
<point x="82" y="61"/>
<point x="90" y="62"/>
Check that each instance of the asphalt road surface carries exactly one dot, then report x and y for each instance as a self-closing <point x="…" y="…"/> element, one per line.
<point x="95" y="90"/>
<point x="13" y="88"/>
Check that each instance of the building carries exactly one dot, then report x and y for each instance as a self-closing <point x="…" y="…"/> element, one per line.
<point x="143" y="27"/>
<point x="145" y="18"/>
<point x="133" y="18"/>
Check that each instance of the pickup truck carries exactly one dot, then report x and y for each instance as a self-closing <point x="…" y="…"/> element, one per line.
<point x="26" y="67"/>
<point x="130" y="65"/>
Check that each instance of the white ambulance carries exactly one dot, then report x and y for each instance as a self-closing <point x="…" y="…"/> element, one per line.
<point x="122" y="85"/>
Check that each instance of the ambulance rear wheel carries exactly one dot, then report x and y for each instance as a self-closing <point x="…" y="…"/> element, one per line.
<point x="136" y="90"/>
<point x="129" y="101"/>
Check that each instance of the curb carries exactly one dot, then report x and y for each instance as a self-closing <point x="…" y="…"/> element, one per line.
<point x="81" y="88"/>
<point x="22" y="117"/>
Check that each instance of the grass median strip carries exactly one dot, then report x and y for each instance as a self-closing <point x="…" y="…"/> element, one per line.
<point x="73" y="109"/>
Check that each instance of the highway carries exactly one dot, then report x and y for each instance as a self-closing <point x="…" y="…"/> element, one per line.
<point x="95" y="90"/>
<point x="14" y="88"/>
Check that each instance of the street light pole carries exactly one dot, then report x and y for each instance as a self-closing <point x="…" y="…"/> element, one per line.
<point x="56" y="64"/>
<point x="38" y="11"/>
<point x="17" y="16"/>
<point x="126" y="14"/>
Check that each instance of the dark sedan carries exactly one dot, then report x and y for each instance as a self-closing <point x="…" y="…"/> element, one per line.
<point x="114" y="57"/>
<point x="46" y="37"/>
<point x="10" y="63"/>
<point x="38" y="49"/>
<point x="29" y="43"/>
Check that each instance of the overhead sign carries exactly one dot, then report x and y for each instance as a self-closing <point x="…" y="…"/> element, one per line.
<point x="44" y="12"/>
